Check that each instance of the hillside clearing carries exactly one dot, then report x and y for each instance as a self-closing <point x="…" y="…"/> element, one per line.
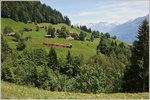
<point x="14" y="91"/>
<point x="82" y="48"/>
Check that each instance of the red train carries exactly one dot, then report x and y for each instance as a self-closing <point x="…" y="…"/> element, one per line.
<point x="58" y="45"/>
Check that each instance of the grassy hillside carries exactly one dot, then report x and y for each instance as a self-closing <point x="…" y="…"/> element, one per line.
<point x="83" y="48"/>
<point x="13" y="91"/>
<point x="87" y="49"/>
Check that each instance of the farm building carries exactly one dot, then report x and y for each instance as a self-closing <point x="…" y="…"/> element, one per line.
<point x="69" y="38"/>
<point x="11" y="34"/>
<point x="47" y="36"/>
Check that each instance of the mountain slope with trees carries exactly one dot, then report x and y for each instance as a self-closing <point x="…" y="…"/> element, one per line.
<point x="32" y="11"/>
<point x="96" y="63"/>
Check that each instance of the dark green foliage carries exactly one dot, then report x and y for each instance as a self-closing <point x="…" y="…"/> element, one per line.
<point x="72" y="26"/>
<point x="45" y="28"/>
<point x="68" y="58"/>
<point x="137" y="74"/>
<point x="43" y="78"/>
<point x="6" y="51"/>
<point x="67" y="21"/>
<point x="72" y="66"/>
<point x="8" y="29"/>
<point x="103" y="46"/>
<point x="75" y="36"/>
<point x="114" y="37"/>
<point x="84" y="28"/>
<point x="107" y="35"/>
<point x="7" y="74"/>
<point x="37" y="28"/>
<point x="51" y="31"/>
<point x="64" y="83"/>
<point x="96" y="34"/>
<point x="4" y="45"/>
<point x="92" y="79"/>
<point x="92" y="37"/>
<point x="63" y="32"/>
<point x="82" y="36"/>
<point x="36" y="56"/>
<point x="52" y="59"/>
<point x="122" y="45"/>
<point x="32" y="11"/>
<point x="21" y="45"/>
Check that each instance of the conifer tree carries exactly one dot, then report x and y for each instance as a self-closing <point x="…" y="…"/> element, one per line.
<point x="137" y="75"/>
<point x="69" y="58"/>
<point x="52" y="59"/>
<point x="51" y="31"/>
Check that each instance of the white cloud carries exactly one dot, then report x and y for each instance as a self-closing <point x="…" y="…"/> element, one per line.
<point x="115" y="12"/>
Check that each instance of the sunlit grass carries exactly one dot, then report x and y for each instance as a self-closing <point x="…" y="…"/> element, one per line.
<point x="13" y="91"/>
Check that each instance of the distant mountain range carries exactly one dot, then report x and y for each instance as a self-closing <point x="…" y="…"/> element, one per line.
<point x="126" y="32"/>
<point x="102" y="26"/>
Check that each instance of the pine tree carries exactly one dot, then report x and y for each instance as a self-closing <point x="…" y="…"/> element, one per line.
<point x="102" y="47"/>
<point x="137" y="75"/>
<point x="21" y="45"/>
<point x="37" y="28"/>
<point x="5" y="49"/>
<point x="52" y="59"/>
<point x="68" y="58"/>
<point x="8" y="75"/>
<point x="63" y="32"/>
<point x="92" y="37"/>
<point x="51" y="31"/>
<point x="82" y="36"/>
<point x="67" y="21"/>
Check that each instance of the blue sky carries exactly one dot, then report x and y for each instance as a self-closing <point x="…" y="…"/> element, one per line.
<point x="94" y="11"/>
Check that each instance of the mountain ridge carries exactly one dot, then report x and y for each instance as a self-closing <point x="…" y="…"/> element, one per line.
<point x="128" y="31"/>
<point x="125" y="32"/>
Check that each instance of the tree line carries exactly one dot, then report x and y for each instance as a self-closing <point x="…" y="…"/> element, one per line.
<point x="32" y="11"/>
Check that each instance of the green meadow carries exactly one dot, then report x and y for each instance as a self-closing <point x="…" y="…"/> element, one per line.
<point x="13" y="91"/>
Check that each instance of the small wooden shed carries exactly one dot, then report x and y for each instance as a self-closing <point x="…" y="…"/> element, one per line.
<point x="11" y="34"/>
<point x="69" y="37"/>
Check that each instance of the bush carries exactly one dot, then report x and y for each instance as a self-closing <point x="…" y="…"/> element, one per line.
<point x="52" y="60"/>
<point x="92" y="79"/>
<point x="7" y="73"/>
<point x="8" y="29"/>
<point x="37" y="28"/>
<point x="21" y="45"/>
<point x="75" y="36"/>
<point x="82" y="36"/>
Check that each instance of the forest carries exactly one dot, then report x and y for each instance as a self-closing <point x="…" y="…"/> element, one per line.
<point x="114" y="67"/>
<point x="32" y="12"/>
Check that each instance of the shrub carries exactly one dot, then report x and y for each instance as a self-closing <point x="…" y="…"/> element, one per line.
<point x="7" y="74"/>
<point x="21" y="45"/>
<point x="8" y="29"/>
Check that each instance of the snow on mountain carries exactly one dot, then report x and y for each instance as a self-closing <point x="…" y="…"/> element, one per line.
<point x="128" y="31"/>
<point x="102" y="26"/>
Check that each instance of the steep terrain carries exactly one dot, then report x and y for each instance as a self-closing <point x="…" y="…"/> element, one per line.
<point x="85" y="48"/>
<point x="127" y="32"/>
